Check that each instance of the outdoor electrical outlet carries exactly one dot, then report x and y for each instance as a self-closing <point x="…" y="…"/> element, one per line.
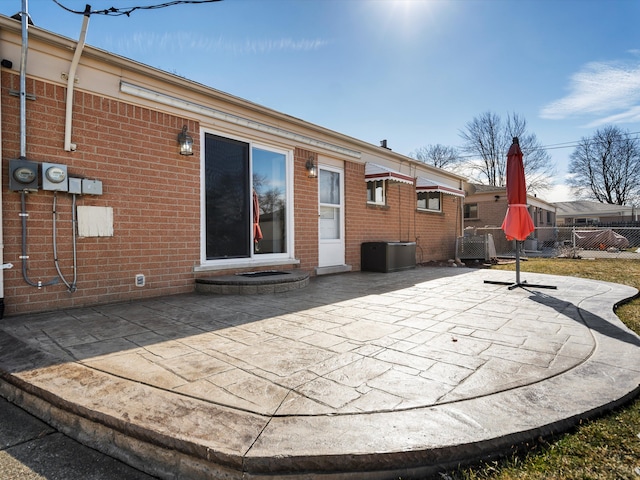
<point x="140" y="280"/>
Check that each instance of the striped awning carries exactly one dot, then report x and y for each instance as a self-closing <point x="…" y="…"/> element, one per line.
<point x="374" y="172"/>
<point x="426" y="185"/>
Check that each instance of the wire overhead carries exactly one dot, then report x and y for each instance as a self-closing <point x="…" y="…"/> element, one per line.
<point x="116" y="12"/>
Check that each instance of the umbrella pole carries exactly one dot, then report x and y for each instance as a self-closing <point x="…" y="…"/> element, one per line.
<point x="517" y="262"/>
<point x="518" y="283"/>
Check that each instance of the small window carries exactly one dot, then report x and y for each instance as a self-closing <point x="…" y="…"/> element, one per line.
<point x="471" y="210"/>
<point x="429" y="201"/>
<point x="376" y="192"/>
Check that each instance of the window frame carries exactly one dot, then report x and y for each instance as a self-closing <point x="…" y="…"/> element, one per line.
<point x="426" y="207"/>
<point x="464" y="211"/>
<point x="375" y="201"/>
<point x="254" y="258"/>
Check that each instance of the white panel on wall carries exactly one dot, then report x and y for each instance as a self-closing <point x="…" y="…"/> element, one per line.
<point x="95" y="221"/>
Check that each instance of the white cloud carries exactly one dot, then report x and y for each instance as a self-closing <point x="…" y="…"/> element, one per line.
<point x="601" y="88"/>
<point x="179" y="42"/>
<point x="283" y="44"/>
<point x="632" y="115"/>
<point x="558" y="193"/>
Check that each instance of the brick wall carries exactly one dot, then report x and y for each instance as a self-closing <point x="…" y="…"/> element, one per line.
<point x="398" y="220"/>
<point x="490" y="212"/>
<point x="305" y="210"/>
<point x="155" y="196"/>
<point x="154" y="193"/>
<point x="436" y="232"/>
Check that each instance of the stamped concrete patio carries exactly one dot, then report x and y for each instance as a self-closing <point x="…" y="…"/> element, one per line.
<point x="357" y="376"/>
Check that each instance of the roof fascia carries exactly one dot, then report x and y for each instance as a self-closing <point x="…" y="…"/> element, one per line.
<point x="58" y="41"/>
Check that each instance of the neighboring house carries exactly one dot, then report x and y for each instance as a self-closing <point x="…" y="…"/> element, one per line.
<point x="486" y="206"/>
<point x="584" y="212"/>
<point x="150" y="220"/>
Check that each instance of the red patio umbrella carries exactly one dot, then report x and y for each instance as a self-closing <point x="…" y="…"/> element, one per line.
<point x="257" y="231"/>
<point x="517" y="224"/>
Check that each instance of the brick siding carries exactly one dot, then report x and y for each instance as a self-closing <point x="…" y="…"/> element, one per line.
<point x="154" y="193"/>
<point x="155" y="196"/>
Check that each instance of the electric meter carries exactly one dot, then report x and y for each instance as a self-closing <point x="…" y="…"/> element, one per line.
<point x="56" y="174"/>
<point x="23" y="175"/>
<point x="54" y="177"/>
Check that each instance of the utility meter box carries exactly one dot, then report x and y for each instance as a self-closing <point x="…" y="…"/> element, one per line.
<point x="54" y="177"/>
<point x="23" y="175"/>
<point x="91" y="187"/>
<point x="75" y="185"/>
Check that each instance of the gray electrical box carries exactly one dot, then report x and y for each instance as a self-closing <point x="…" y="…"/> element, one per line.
<point x="75" y="185"/>
<point x="54" y="177"/>
<point x="23" y="175"/>
<point x="91" y="187"/>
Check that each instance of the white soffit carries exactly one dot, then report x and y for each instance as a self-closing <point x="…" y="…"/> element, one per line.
<point x="426" y="185"/>
<point x="374" y="172"/>
<point x="196" y="108"/>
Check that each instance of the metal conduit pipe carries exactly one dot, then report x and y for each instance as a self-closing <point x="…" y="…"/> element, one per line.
<point x="23" y="145"/>
<point x="24" y="256"/>
<point x="68" y="146"/>
<point x="23" y="80"/>
<point x="71" y="287"/>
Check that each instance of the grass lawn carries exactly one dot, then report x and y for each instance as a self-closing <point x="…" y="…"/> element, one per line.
<point x="604" y="449"/>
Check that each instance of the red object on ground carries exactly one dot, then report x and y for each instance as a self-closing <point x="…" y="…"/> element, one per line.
<point x="257" y="232"/>
<point x="517" y="224"/>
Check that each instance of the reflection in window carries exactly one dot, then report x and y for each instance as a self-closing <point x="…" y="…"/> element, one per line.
<point x="329" y="187"/>
<point x="429" y="201"/>
<point x="269" y="183"/>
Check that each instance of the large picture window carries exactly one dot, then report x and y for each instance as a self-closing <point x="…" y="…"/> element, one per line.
<point x="245" y="199"/>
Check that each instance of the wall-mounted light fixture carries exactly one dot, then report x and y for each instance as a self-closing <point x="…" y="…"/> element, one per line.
<point x="497" y="197"/>
<point x="186" y="142"/>
<point x="312" y="169"/>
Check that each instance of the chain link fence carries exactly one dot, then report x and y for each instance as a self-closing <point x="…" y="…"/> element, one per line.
<point x="489" y="243"/>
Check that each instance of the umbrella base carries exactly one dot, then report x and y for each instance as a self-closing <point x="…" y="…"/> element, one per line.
<point x="524" y="284"/>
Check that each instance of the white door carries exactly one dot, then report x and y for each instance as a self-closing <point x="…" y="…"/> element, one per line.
<point x="331" y="226"/>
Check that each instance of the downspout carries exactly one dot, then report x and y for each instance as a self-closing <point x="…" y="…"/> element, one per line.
<point x="68" y="146"/>
<point x="462" y="199"/>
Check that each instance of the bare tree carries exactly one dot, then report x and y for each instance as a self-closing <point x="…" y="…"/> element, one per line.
<point x="438" y="155"/>
<point x="607" y="166"/>
<point x="487" y="139"/>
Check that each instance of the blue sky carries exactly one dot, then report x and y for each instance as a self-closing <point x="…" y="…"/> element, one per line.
<point x="413" y="72"/>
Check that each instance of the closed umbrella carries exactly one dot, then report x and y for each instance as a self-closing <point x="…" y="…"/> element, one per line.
<point x="517" y="224"/>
